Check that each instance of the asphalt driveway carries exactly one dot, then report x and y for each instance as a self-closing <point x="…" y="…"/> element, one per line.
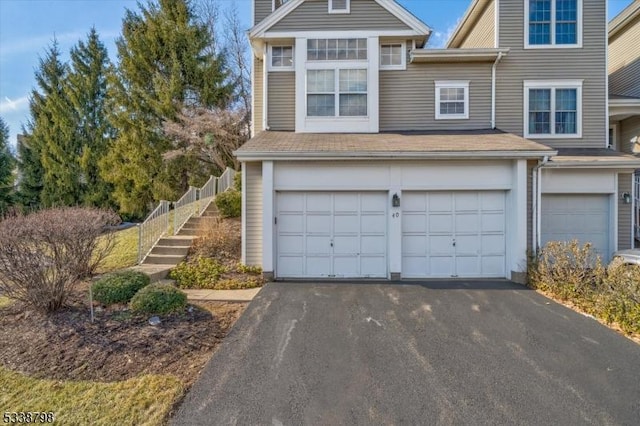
<point x="434" y="353"/>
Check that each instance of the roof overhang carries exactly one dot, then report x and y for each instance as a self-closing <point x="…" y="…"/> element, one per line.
<point x="617" y="24"/>
<point x="398" y="155"/>
<point x="622" y="108"/>
<point x="470" y="17"/>
<point x="456" y="55"/>
<point x="600" y="159"/>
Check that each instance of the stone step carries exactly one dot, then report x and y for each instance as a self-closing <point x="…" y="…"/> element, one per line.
<point x="155" y="272"/>
<point x="183" y="240"/>
<point x="187" y="231"/>
<point x="210" y="214"/>
<point x="173" y="250"/>
<point x="163" y="259"/>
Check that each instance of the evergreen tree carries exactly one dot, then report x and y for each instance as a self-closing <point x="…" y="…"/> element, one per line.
<point x="165" y="64"/>
<point x="30" y="172"/>
<point x="86" y="89"/>
<point x="6" y="169"/>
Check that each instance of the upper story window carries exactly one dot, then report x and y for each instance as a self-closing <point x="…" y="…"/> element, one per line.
<point x="553" y="109"/>
<point x="341" y="49"/>
<point x="349" y="100"/>
<point x="553" y="23"/>
<point x="393" y="56"/>
<point x="339" y="6"/>
<point x="452" y="100"/>
<point x="281" y="58"/>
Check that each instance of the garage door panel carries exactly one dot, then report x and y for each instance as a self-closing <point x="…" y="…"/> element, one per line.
<point x="372" y="224"/>
<point x="467" y="244"/>
<point x="318" y="202"/>
<point x="440" y="202"/>
<point x="345" y="203"/>
<point x="346" y="245"/>
<point x="468" y="266"/>
<point x="492" y="244"/>
<point x="440" y="244"/>
<point x="466" y="201"/>
<point x="345" y="266"/>
<point x="373" y="244"/>
<point x="415" y="267"/>
<point x="292" y="202"/>
<point x="318" y="244"/>
<point x="492" y="266"/>
<point x="412" y="202"/>
<point x="441" y="266"/>
<point x="414" y="223"/>
<point x="492" y="201"/>
<point x="373" y="202"/>
<point x="374" y="266"/>
<point x="291" y="265"/>
<point x="292" y="244"/>
<point x="467" y="222"/>
<point x="346" y="223"/>
<point x="441" y="224"/>
<point x="291" y="223"/>
<point x="492" y="222"/>
<point x="414" y="244"/>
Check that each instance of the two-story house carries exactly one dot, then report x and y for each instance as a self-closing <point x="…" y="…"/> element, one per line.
<point x="373" y="157"/>
<point x="624" y="92"/>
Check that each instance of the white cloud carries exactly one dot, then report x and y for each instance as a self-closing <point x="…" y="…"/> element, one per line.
<point x="36" y="43"/>
<point x="8" y="105"/>
<point x="439" y="39"/>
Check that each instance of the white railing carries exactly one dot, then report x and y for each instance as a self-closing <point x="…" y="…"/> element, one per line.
<point x="225" y="181"/>
<point x="152" y="229"/>
<point x="207" y="193"/>
<point x="184" y="208"/>
<point x="636" y="213"/>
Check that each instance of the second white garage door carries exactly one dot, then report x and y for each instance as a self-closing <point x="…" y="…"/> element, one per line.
<point x="331" y="234"/>
<point x="453" y="234"/>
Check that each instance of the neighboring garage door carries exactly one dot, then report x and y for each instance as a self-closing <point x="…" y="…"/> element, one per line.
<point x="583" y="217"/>
<point x="453" y="234"/>
<point x="331" y="234"/>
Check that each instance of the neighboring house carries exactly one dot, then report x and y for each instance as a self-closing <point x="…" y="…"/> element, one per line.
<point x="373" y="157"/>
<point x="624" y="92"/>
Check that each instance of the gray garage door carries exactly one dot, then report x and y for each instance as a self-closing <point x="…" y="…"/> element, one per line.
<point x="583" y="217"/>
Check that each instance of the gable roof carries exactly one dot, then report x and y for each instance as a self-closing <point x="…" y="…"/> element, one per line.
<point x="467" y="22"/>
<point x="391" y="6"/>
<point x="627" y="15"/>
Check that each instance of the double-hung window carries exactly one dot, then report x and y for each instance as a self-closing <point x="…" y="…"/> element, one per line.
<point x="553" y="109"/>
<point x="393" y="56"/>
<point x="452" y="100"/>
<point x="553" y="23"/>
<point x="281" y="58"/>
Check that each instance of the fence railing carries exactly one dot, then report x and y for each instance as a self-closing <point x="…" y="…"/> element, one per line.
<point x="207" y="193"/>
<point x="636" y="213"/>
<point x="152" y="229"/>
<point x="225" y="181"/>
<point x="184" y="208"/>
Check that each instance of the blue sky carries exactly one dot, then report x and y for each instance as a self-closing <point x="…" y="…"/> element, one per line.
<point x="28" y="26"/>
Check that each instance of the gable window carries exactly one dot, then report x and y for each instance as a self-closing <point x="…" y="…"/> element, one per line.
<point x="553" y="23"/>
<point x="339" y="6"/>
<point x="278" y="3"/>
<point x="553" y="109"/>
<point x="341" y="49"/>
<point x="452" y="100"/>
<point x="349" y="100"/>
<point x="392" y="56"/>
<point x="281" y="58"/>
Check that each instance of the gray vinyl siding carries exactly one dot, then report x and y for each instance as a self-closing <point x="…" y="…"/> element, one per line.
<point x="587" y="63"/>
<point x="407" y="98"/>
<point x="253" y="232"/>
<point x="530" y="166"/>
<point x="258" y="83"/>
<point x="624" y="212"/>
<point x="261" y="9"/>
<point x="313" y="15"/>
<point x="483" y="33"/>
<point x="624" y="61"/>
<point x="281" y="111"/>
<point x="628" y="129"/>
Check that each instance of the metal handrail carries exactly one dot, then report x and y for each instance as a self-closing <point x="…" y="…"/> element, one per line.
<point x="184" y="208"/>
<point x="152" y="229"/>
<point x="206" y="194"/>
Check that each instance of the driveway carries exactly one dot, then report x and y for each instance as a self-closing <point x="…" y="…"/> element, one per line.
<point x="484" y="352"/>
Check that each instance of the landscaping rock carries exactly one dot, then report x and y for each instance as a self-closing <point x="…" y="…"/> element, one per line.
<point x="154" y="320"/>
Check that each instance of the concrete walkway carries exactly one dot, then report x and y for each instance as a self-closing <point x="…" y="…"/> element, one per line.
<point x="246" y="295"/>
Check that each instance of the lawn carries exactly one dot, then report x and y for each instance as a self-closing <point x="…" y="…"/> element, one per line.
<point x="124" y="253"/>
<point x="144" y="400"/>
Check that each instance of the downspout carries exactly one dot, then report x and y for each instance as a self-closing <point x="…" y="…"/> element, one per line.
<point x="265" y="86"/>
<point x="493" y="89"/>
<point x="536" y="179"/>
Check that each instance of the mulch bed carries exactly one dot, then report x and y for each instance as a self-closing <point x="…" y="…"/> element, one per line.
<point x="117" y="346"/>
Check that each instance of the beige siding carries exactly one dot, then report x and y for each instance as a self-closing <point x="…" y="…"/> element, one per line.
<point x="313" y="15"/>
<point x="407" y="98"/>
<point x="258" y="84"/>
<point x="253" y="232"/>
<point x="261" y="9"/>
<point x="628" y="129"/>
<point x="281" y="101"/>
<point x="586" y="63"/>
<point x="624" y="212"/>
<point x="624" y="61"/>
<point x="483" y="33"/>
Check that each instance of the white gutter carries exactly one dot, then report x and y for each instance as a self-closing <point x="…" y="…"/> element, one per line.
<point x="536" y="179"/>
<point x="493" y="90"/>
<point x="265" y="86"/>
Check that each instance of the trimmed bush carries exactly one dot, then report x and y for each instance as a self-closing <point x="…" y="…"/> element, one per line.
<point x="158" y="299"/>
<point x="237" y="181"/>
<point x="119" y="287"/>
<point x="201" y="273"/>
<point x="229" y="203"/>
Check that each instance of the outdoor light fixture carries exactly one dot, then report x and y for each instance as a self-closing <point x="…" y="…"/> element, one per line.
<point x="395" y="202"/>
<point x="626" y="197"/>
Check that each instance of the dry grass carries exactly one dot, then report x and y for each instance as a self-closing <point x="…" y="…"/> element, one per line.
<point x="4" y="301"/>
<point x="124" y="253"/>
<point x="145" y="400"/>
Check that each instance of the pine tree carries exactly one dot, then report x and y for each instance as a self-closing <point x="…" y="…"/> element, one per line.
<point x="6" y="169"/>
<point x="164" y="65"/>
<point x="30" y="171"/>
<point x="86" y="89"/>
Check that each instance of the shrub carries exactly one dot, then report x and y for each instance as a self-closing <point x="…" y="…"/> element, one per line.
<point x="619" y="296"/>
<point x="119" y="287"/>
<point x="247" y="269"/>
<point x="201" y="273"/>
<point x="237" y="182"/>
<point x="44" y="254"/>
<point x="220" y="239"/>
<point x="229" y="203"/>
<point x="238" y="284"/>
<point x="158" y="299"/>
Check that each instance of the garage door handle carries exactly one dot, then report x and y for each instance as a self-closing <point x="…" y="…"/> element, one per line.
<point x="332" y="244"/>
<point x="454" y="243"/>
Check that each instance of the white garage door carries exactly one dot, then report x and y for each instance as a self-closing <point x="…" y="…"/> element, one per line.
<point x="577" y="216"/>
<point x="331" y="234"/>
<point x="453" y="234"/>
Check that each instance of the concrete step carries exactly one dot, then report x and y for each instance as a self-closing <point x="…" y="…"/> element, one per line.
<point x="183" y="240"/>
<point x="210" y="214"/>
<point x="163" y="259"/>
<point x="190" y="232"/>
<point x="171" y="250"/>
<point x="155" y="272"/>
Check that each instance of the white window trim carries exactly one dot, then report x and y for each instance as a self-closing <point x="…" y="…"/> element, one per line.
<point x="553" y="45"/>
<point x="338" y="11"/>
<point x="271" y="68"/>
<point x="445" y="84"/>
<point x="403" y="64"/>
<point x="336" y="93"/>
<point x="613" y="143"/>
<point x="553" y="84"/>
